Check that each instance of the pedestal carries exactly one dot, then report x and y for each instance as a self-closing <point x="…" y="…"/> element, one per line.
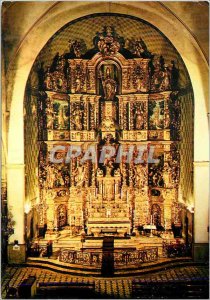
<point x="16" y="253"/>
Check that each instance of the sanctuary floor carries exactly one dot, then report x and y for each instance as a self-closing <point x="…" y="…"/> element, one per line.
<point x="120" y="288"/>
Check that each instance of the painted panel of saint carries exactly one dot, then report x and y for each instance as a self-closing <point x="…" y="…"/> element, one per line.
<point x="61" y="115"/>
<point x="155" y="171"/>
<point x="156" y="115"/>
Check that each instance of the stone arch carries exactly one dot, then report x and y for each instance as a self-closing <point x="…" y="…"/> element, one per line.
<point x="21" y="65"/>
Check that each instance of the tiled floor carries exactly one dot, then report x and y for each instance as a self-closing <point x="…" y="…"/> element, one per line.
<point x="112" y="287"/>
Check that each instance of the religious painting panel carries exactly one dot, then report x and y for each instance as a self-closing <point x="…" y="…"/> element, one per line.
<point x="61" y="115"/>
<point x="155" y="169"/>
<point x="156" y="114"/>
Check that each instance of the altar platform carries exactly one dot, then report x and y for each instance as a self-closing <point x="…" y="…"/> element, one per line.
<point x="87" y="253"/>
<point x="76" y="242"/>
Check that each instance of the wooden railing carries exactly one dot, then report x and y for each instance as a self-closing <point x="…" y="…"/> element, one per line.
<point x="81" y="257"/>
<point x="171" y="249"/>
<point x="121" y="258"/>
<point x="136" y="257"/>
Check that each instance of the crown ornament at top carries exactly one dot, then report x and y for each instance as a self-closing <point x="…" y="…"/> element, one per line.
<point x="108" y="41"/>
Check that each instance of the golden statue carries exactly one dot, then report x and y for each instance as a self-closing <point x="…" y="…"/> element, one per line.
<point x="109" y="85"/>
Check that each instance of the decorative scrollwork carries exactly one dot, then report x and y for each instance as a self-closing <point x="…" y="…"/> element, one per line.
<point x="135" y="257"/>
<point x="81" y="257"/>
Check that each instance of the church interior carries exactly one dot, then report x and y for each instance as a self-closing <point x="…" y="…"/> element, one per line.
<point x="105" y="161"/>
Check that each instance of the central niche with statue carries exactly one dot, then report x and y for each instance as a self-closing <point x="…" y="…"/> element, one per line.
<point x="116" y="94"/>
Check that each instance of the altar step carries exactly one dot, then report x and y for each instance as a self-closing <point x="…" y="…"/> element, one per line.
<point x="119" y="244"/>
<point x="96" y="243"/>
<point x="81" y="270"/>
<point x="149" y="242"/>
<point x="73" y="243"/>
<point x="61" y="243"/>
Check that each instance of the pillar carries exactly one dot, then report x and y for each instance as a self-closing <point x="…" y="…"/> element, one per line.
<point x="201" y="197"/>
<point x="16" y="199"/>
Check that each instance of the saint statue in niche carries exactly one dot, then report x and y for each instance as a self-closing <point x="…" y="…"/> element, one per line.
<point x="61" y="120"/>
<point x="79" y="175"/>
<point x="109" y="85"/>
<point x="156" y="115"/>
<point x="77" y="118"/>
<point x="50" y="176"/>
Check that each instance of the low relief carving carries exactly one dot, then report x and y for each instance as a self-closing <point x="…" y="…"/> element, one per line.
<point x="108" y="41"/>
<point x="56" y="76"/>
<point x="49" y="114"/>
<point x="92" y="116"/>
<point x="80" y="172"/>
<point x="141" y="175"/>
<point x="164" y="76"/>
<point x="90" y="79"/>
<point x="126" y="78"/>
<point x="79" y="78"/>
<point x="140" y="116"/>
<point x="77" y="48"/>
<point x="141" y="77"/>
<point x="53" y="175"/>
<point x="138" y="47"/>
<point x="62" y="193"/>
<point x="175" y="117"/>
<point x="77" y="113"/>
